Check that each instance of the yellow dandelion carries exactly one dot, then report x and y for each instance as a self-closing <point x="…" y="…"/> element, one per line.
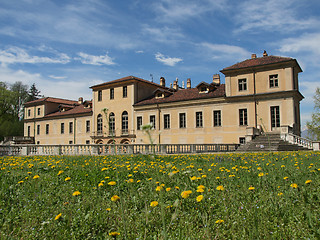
<point x="261" y="174"/>
<point x="58" y="216"/>
<point x="220" y="188"/>
<point x="100" y="184"/>
<point x="67" y="179"/>
<point x="168" y="189"/>
<point x="220" y="221"/>
<point x="251" y="188"/>
<point x="112" y="183"/>
<point x="115" y="198"/>
<point x="199" y="198"/>
<point x="158" y="188"/>
<point x="104" y="169"/>
<point x="20" y="182"/>
<point x="154" y="204"/>
<point x="176" y="187"/>
<point x="130" y="180"/>
<point x="114" y="234"/>
<point x="76" y="193"/>
<point x="294" y="185"/>
<point x="285" y="178"/>
<point x="186" y="194"/>
<point x="36" y="176"/>
<point x="60" y="172"/>
<point x="108" y="209"/>
<point x="280" y="193"/>
<point x="201" y="190"/>
<point x="193" y="178"/>
<point x="308" y="181"/>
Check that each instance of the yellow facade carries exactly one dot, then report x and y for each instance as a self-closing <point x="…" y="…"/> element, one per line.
<point x="259" y="94"/>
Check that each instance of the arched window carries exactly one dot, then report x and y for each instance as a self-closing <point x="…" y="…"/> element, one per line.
<point x="124" y="125"/>
<point x="99" y="124"/>
<point x="112" y="124"/>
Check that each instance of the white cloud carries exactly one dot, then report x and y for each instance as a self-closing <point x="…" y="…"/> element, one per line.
<point x="167" y="60"/>
<point x="57" y="77"/>
<point x="305" y="43"/>
<point x="164" y="34"/>
<point x="224" y="51"/>
<point x="95" y="60"/>
<point x="273" y="15"/>
<point x="14" y="55"/>
<point x="172" y="11"/>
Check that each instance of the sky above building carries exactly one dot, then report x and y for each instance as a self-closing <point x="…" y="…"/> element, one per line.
<point x="64" y="46"/>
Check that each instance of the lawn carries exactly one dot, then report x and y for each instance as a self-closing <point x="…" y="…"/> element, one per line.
<point x="221" y="196"/>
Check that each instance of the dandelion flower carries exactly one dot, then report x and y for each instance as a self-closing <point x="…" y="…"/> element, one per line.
<point x="201" y="190"/>
<point x="168" y="189"/>
<point x="154" y="204"/>
<point x="114" y="234"/>
<point x="220" y="221"/>
<point x="186" y="194"/>
<point x="158" y="188"/>
<point x="76" y="193"/>
<point x="115" y="198"/>
<point x="104" y="169"/>
<point x="108" y="209"/>
<point x="112" y="183"/>
<point x="60" y="172"/>
<point x="280" y="193"/>
<point x="100" y="184"/>
<point x="220" y="188"/>
<point x="285" y="178"/>
<point x="67" y="179"/>
<point x="308" y="181"/>
<point x="199" y="198"/>
<point x="261" y="174"/>
<point x="251" y="188"/>
<point x="36" y="176"/>
<point x="294" y="185"/>
<point x="58" y="216"/>
<point x="193" y="178"/>
<point x="20" y="182"/>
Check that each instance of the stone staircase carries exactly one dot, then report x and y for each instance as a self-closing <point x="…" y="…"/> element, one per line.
<point x="269" y="142"/>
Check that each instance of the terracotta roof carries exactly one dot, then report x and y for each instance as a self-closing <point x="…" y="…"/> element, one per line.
<point x="128" y="78"/>
<point x="258" y="62"/>
<point x="79" y="109"/>
<point x="53" y="100"/>
<point x="185" y="95"/>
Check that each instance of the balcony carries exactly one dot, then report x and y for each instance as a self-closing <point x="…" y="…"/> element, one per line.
<point x="114" y="134"/>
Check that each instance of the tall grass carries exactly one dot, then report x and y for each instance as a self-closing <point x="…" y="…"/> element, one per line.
<point x="242" y="196"/>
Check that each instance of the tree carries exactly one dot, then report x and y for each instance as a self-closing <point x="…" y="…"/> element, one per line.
<point x="314" y="125"/>
<point x="34" y="93"/>
<point x="20" y="95"/>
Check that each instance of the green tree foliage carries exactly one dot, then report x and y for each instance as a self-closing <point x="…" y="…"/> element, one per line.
<point x="314" y="124"/>
<point x="12" y="99"/>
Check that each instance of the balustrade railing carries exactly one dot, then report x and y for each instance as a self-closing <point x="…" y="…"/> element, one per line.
<point x="294" y="139"/>
<point x="109" y="149"/>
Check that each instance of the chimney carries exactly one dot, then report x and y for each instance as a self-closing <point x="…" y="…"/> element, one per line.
<point x="175" y="84"/>
<point x="265" y="54"/>
<point x="80" y="100"/>
<point x="216" y="79"/>
<point x="253" y="55"/>
<point x="182" y="85"/>
<point x="170" y="85"/>
<point x="188" y="83"/>
<point x="162" y="82"/>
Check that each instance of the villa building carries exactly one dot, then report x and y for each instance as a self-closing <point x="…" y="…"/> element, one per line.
<point x="259" y="94"/>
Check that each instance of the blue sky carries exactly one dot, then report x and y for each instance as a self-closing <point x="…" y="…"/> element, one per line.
<point x="64" y="47"/>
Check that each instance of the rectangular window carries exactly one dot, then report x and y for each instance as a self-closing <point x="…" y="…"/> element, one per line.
<point x="166" y="121"/>
<point x="38" y="129"/>
<point x="242" y="83"/>
<point x="182" y="120"/>
<point x="29" y="112"/>
<point x="88" y="126"/>
<point x="39" y="111"/>
<point x="70" y="142"/>
<point x="242" y="140"/>
<point x="124" y="91"/>
<point x="275" y="116"/>
<point x="99" y="95"/>
<point x="243" y="118"/>
<point x="87" y="141"/>
<point x="199" y="122"/>
<point x="47" y="128"/>
<point x="70" y="127"/>
<point x="111" y="93"/>
<point x="217" y="118"/>
<point x="62" y="128"/>
<point x="153" y="121"/>
<point x="139" y="122"/>
<point x="29" y="130"/>
<point x="273" y="81"/>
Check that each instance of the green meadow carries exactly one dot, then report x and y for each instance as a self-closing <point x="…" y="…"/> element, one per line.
<point x="221" y="196"/>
